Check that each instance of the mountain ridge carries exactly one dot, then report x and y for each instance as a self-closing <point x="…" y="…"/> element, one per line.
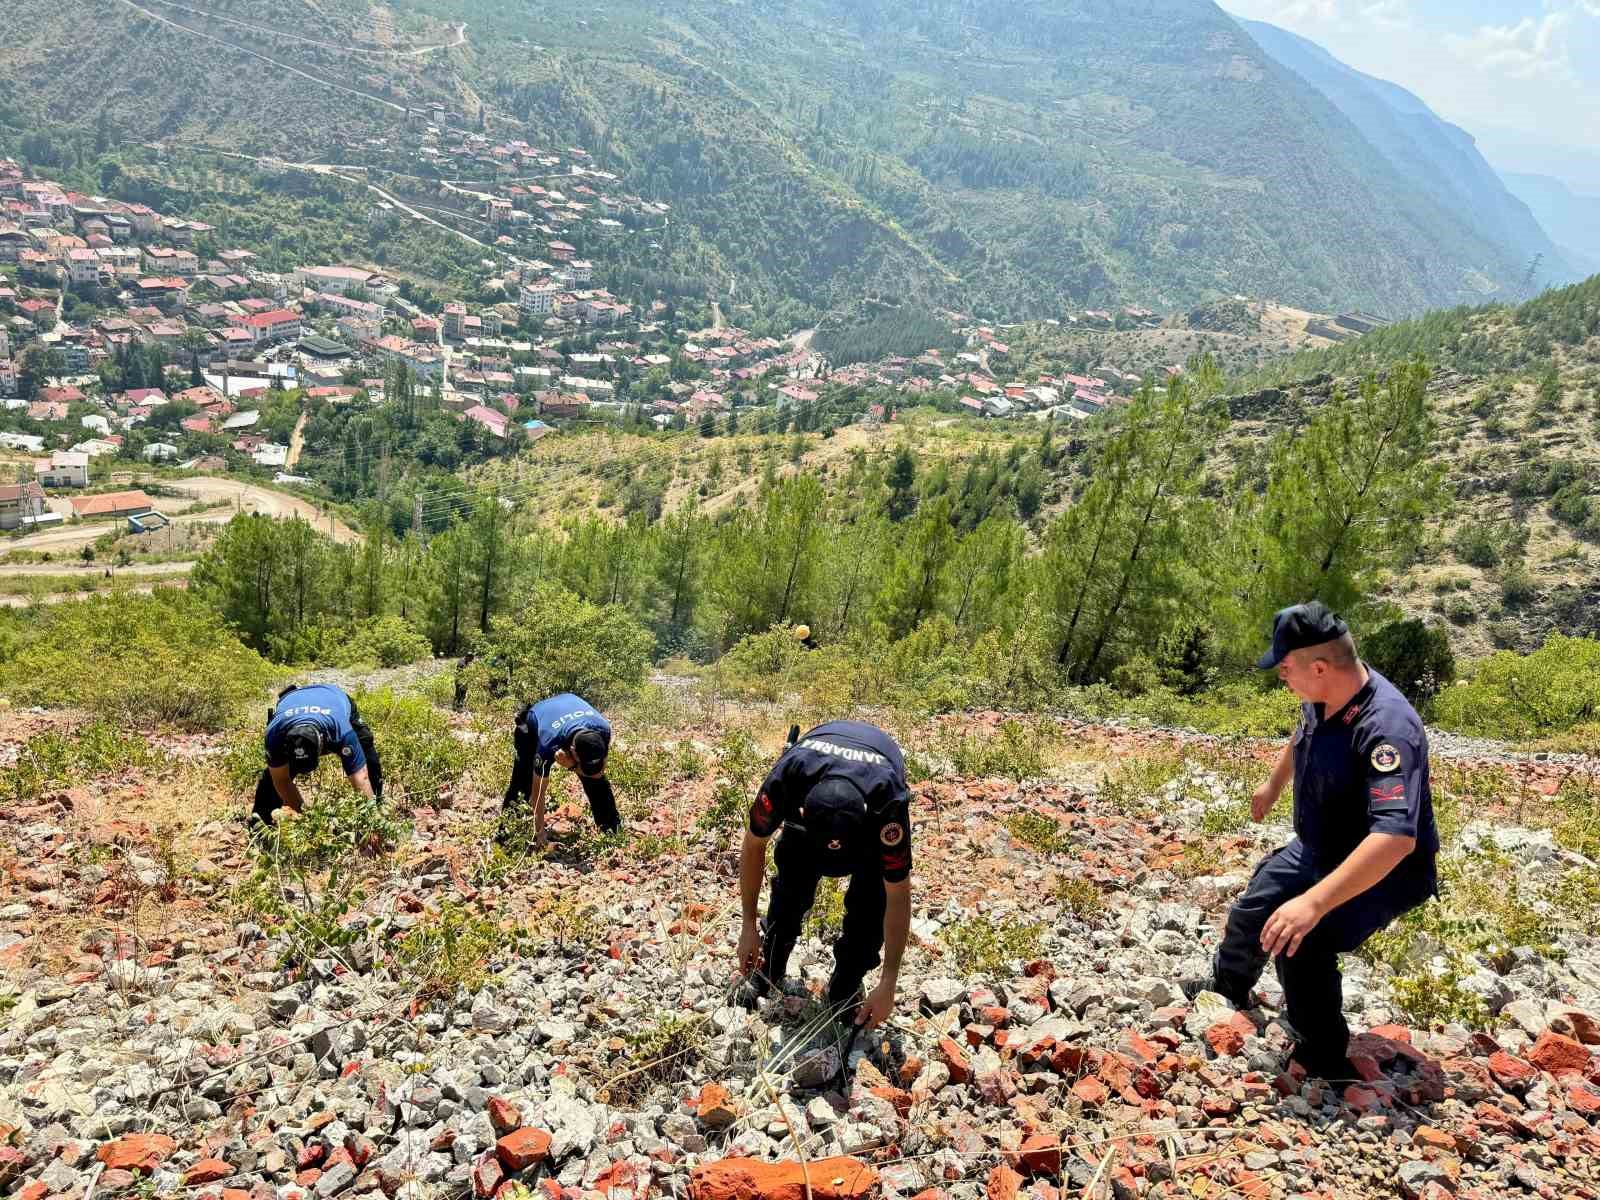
<point x="1444" y="157"/>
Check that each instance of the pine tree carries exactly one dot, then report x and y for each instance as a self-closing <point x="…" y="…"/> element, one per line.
<point x="901" y="480"/>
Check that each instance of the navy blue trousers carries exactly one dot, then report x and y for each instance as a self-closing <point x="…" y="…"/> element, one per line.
<point x="1312" y="986"/>
<point x="794" y="890"/>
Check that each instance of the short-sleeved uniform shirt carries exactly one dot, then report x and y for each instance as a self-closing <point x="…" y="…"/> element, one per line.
<point x="869" y="758"/>
<point x="551" y="724"/>
<point x="325" y="707"/>
<point x="1363" y="769"/>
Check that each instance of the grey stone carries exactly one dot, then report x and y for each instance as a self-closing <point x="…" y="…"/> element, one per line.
<point x="939" y="994"/>
<point x="336" y="1178"/>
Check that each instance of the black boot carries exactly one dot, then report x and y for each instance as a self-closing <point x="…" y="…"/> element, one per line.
<point x="1330" y="1068"/>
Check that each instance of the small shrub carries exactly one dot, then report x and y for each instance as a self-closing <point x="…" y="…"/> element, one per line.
<point x="1477" y="546"/>
<point x="389" y="641"/>
<point x="1082" y="898"/>
<point x="981" y="945"/>
<point x="1014" y="751"/>
<point x="1578" y="824"/>
<point x="1038" y="832"/>
<point x="1432" y="994"/>
<point x="663" y="1052"/>
<point x="563" y="924"/>
<point x="639" y="773"/>
<point x="52" y="760"/>
<point x="1412" y="655"/>
<point x="1519" y="696"/>
<point x="1517" y="586"/>
<point x="1133" y="784"/>
<point x="740" y="767"/>
<point x="825" y="921"/>
<point x="421" y="755"/>
<point x="451" y="951"/>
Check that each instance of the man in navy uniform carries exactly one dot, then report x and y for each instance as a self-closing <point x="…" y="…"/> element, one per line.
<point x="839" y="794"/>
<point x="1365" y="840"/>
<point x="564" y="731"/>
<point x="307" y="723"/>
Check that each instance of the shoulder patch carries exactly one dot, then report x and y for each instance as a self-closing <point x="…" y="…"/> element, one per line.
<point x="1385" y="758"/>
<point x="893" y="833"/>
<point x="345" y="750"/>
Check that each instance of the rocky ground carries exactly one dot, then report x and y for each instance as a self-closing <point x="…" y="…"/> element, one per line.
<point x="570" y="1029"/>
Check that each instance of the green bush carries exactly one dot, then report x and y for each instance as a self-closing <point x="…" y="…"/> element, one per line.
<point x="1511" y="695"/>
<point x="553" y="641"/>
<point x="421" y="755"/>
<point x="1413" y="656"/>
<point x="138" y="661"/>
<point x="982" y="945"/>
<point x="383" y="641"/>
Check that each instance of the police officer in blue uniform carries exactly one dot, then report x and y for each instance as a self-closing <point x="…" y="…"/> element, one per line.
<point x="306" y="723"/>
<point x="1365" y="841"/>
<point x="566" y="731"/>
<point x="839" y="795"/>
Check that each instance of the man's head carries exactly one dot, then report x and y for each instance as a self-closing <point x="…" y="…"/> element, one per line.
<point x="834" y="812"/>
<point x="304" y="744"/>
<point x="589" y="748"/>
<point x="802" y="632"/>
<point x="1312" y="651"/>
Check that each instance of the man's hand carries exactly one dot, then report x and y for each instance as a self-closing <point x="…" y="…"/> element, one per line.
<point x="1262" y="800"/>
<point x="541" y="835"/>
<point x="875" y="1010"/>
<point x="749" y="952"/>
<point x="1288" y="927"/>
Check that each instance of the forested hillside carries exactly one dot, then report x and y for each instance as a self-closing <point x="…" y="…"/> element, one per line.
<point x="1434" y="156"/>
<point x="1008" y="159"/>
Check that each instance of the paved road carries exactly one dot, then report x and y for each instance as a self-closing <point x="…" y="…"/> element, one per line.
<point x="241" y="497"/>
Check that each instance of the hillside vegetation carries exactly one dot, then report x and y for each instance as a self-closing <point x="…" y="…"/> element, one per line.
<point x="1013" y="159"/>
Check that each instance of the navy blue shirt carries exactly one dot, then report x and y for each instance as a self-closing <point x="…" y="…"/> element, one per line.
<point x="551" y="724"/>
<point x="866" y="756"/>
<point x="1363" y="769"/>
<point x="327" y="708"/>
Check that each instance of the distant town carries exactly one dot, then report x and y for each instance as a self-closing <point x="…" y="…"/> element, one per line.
<point x="127" y="334"/>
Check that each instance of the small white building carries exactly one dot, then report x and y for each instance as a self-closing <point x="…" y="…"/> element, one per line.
<point x="160" y="452"/>
<point x="64" y="468"/>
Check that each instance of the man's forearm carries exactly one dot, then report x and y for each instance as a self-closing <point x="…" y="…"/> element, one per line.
<point x="1283" y="770"/>
<point x="288" y="791"/>
<point x="1367" y="866"/>
<point x="752" y="870"/>
<point x="896" y="928"/>
<point x="541" y="784"/>
<point x="362" y="782"/>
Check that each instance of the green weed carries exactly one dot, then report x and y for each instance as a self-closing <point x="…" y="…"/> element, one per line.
<point x="1081" y="897"/>
<point x="452" y="950"/>
<point x="1039" y="832"/>
<point x="981" y="945"/>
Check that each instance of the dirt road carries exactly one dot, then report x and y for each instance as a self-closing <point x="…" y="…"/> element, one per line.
<point x="205" y="489"/>
<point x="58" y="569"/>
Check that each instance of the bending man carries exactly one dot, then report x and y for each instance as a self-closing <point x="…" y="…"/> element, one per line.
<point x="562" y="731"/>
<point x="307" y="723"/>
<point x="840" y="796"/>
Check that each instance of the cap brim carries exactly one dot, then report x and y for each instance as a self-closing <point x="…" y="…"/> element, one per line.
<point x="1268" y="660"/>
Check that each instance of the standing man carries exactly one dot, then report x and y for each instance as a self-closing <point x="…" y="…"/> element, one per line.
<point x="1365" y="840"/>
<point x="840" y="795"/>
<point x="307" y="723"/>
<point x="561" y="731"/>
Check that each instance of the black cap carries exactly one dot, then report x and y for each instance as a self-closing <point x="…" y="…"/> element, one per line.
<point x="834" y="812"/>
<point x="589" y="748"/>
<point x="1299" y="626"/>
<point x="304" y="743"/>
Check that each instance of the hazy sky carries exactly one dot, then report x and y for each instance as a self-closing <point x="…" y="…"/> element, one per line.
<point x="1488" y="65"/>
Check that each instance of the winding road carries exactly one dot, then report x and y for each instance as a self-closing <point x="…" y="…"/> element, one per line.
<point x="204" y="489"/>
